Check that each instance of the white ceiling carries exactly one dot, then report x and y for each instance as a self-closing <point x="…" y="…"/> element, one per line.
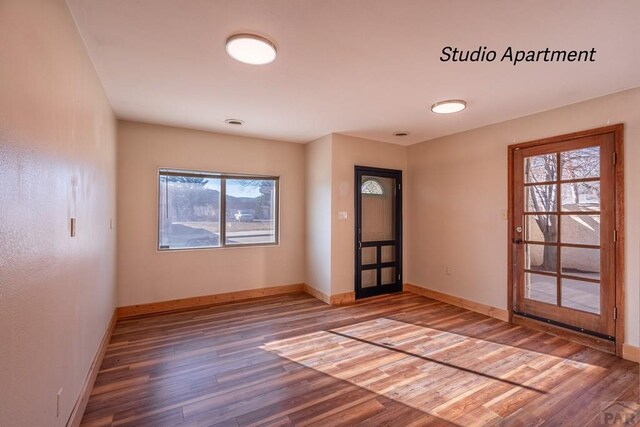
<point x="366" y="68"/>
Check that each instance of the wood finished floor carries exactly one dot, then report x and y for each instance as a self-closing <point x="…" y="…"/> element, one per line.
<point x="394" y="360"/>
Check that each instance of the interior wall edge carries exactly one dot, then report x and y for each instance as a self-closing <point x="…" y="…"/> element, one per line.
<point x="318" y="214"/>
<point x="316" y="293"/>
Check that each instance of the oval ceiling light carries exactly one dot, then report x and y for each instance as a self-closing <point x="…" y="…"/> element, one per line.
<point x="251" y="49"/>
<point x="449" y="106"/>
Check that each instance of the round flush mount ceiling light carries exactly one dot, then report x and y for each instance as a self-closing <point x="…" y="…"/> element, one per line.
<point x="449" y="106"/>
<point x="251" y="49"/>
<point x="234" y="122"/>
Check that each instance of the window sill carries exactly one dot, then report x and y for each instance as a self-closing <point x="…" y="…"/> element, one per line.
<point x="209" y="248"/>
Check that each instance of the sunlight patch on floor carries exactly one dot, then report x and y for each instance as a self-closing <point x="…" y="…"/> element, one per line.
<point x="435" y="371"/>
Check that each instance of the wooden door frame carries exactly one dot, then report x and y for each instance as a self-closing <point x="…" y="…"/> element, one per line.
<point x="618" y="131"/>
<point x="389" y="173"/>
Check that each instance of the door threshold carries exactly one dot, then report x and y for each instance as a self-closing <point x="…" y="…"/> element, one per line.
<point x="601" y="344"/>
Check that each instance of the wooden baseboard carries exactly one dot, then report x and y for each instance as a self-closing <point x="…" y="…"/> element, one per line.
<point x="193" y="302"/>
<point x="631" y="352"/>
<point x="81" y="404"/>
<point x="343" y="299"/>
<point x="487" y="310"/>
<point x="316" y="293"/>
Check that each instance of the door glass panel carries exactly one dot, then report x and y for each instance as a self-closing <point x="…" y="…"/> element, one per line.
<point x="581" y="262"/>
<point x="541" y="258"/>
<point x="583" y="163"/>
<point x="564" y="195"/>
<point x="388" y="253"/>
<point x="579" y="295"/>
<point x="369" y="255"/>
<point x="541" y="198"/>
<point x="581" y="229"/>
<point x="581" y="196"/>
<point x="368" y="278"/>
<point x="540" y="168"/>
<point x="541" y="228"/>
<point x="378" y="208"/>
<point x="541" y="288"/>
<point x="388" y="275"/>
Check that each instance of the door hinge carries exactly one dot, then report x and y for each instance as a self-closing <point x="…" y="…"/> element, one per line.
<point x="615" y="313"/>
<point x="615" y="235"/>
<point x="615" y="158"/>
<point x="399" y="186"/>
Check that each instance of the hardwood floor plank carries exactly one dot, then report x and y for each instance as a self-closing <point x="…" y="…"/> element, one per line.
<point x="350" y="416"/>
<point x="402" y="359"/>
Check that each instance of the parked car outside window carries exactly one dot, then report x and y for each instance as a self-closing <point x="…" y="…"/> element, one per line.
<point x="244" y="216"/>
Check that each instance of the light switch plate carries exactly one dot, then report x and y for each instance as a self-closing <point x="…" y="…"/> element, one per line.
<point x="58" y="397"/>
<point x="342" y="215"/>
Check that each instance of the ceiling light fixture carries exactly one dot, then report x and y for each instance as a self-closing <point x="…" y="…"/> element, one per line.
<point x="449" y="106"/>
<point x="401" y="134"/>
<point x="234" y="122"/>
<point x="251" y="49"/>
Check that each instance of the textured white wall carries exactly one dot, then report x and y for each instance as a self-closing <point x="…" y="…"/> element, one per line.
<point x="57" y="160"/>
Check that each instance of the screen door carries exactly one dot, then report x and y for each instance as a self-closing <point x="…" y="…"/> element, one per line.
<point x="378" y="231"/>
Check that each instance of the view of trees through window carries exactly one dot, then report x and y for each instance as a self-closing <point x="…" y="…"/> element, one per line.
<point x="562" y="227"/>
<point x="190" y="211"/>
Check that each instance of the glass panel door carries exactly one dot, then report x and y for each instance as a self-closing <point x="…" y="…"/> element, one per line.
<point x="564" y="229"/>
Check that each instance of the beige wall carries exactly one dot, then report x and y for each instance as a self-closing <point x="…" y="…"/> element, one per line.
<point x="146" y="275"/>
<point x="348" y="152"/>
<point x="459" y="193"/>
<point x="57" y="160"/>
<point x="318" y="222"/>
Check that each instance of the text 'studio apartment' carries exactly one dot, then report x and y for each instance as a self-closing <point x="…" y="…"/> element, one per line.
<point x="319" y="212"/>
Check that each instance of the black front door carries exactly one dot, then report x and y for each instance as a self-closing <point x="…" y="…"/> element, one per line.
<point x="378" y="250"/>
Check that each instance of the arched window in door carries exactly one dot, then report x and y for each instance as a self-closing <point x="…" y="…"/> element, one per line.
<point x="371" y="186"/>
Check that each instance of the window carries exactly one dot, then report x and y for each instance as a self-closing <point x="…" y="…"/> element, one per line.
<point x="371" y="186"/>
<point x="209" y="210"/>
